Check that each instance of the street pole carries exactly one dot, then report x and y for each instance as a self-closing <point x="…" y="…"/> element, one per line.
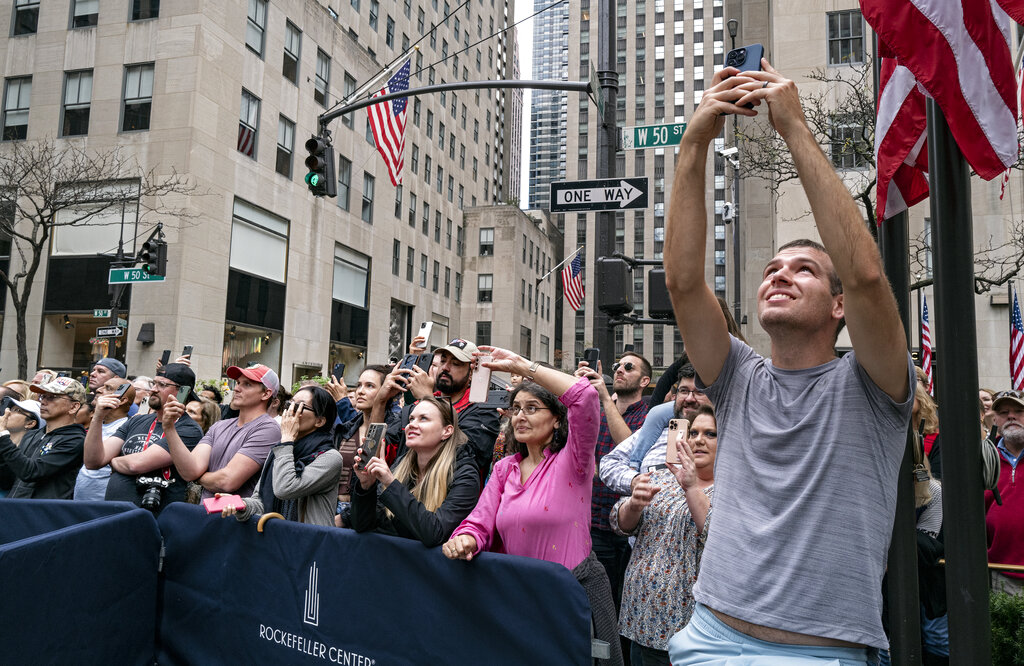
<point x="604" y="338"/>
<point x="963" y="506"/>
<point x="733" y="26"/>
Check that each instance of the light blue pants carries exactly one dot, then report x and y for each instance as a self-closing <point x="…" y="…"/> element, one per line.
<point x="707" y="641"/>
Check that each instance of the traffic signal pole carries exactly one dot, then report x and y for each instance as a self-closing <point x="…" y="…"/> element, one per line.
<point x="603" y="336"/>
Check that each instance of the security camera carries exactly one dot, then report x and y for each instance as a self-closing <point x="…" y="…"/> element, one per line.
<point x="728" y="152"/>
<point x="728" y="212"/>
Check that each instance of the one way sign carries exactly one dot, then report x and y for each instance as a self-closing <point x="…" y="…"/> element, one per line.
<point x="595" y="195"/>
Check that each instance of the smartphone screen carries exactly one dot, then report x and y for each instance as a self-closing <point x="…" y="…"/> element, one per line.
<point x="338" y="371"/>
<point x="592" y="356"/>
<point x="481" y="381"/>
<point x="374" y="436"/>
<point x="183" y="392"/>
<point x="424" y="361"/>
<point x="408" y="361"/>
<point x="676" y="428"/>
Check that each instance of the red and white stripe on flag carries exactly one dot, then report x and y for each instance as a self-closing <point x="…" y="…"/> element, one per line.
<point x="959" y="51"/>
<point x="1016" y="346"/>
<point x="572" y="283"/>
<point x="926" y="347"/>
<point x="387" y="122"/>
<point x="901" y="153"/>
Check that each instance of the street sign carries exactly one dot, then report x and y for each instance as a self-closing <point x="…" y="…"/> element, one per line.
<point x="125" y="275"/>
<point x="109" y="332"/>
<point x="651" y="136"/>
<point x="595" y="92"/>
<point x="100" y="314"/>
<point x="595" y="195"/>
<point x="123" y="323"/>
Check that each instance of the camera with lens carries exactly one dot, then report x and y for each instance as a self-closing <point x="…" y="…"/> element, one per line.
<point x="736" y="57"/>
<point x="154" y="486"/>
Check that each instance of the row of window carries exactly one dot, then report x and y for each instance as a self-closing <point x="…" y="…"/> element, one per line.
<point x="136" y="102"/>
<point x="83" y="14"/>
<point x="420" y="277"/>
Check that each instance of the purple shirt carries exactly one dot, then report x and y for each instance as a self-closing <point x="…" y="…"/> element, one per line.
<point x="548" y="517"/>
<point x="254" y="440"/>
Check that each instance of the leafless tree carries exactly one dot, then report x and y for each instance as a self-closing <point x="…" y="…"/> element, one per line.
<point x="51" y="183"/>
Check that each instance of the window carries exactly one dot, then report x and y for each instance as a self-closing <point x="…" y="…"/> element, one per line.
<point x="448" y="234"/>
<point x="84" y="13"/>
<point x="344" y="182"/>
<point x="145" y="9"/>
<point x="412" y="210"/>
<point x="430" y="124"/>
<point x="426" y="217"/>
<point x="292" y="50"/>
<point x="77" y="97"/>
<point x="437" y="276"/>
<point x="483" y="333"/>
<point x="285" y="146"/>
<point x="396" y="258"/>
<point x="138" y="97"/>
<point x="256" y="25"/>
<point x="414" y="162"/>
<point x="487" y="242"/>
<point x="522" y="294"/>
<point x="423" y="270"/>
<point x="525" y="341"/>
<point x="348" y="86"/>
<point x="355" y="5"/>
<point x="389" y="35"/>
<point x="249" y="120"/>
<point x="849" y="145"/>
<point x="351" y="276"/>
<point x="323" y="77"/>
<point x="845" y="37"/>
<point x="374" y="12"/>
<point x="26" y="17"/>
<point x="368" y="182"/>
<point x="410" y="261"/>
<point x="458" y="287"/>
<point x="484" y="286"/>
<point x="460" y="240"/>
<point x="398" y="202"/>
<point x="426" y="171"/>
<point x="447" y="281"/>
<point x="408" y="8"/>
<point x="437" y="226"/>
<point x="259" y="242"/>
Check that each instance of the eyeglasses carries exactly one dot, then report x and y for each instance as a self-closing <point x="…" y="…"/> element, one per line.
<point x="299" y="406"/>
<point x="529" y="410"/>
<point x="627" y="366"/>
<point x="696" y="393"/>
<point x="51" y="397"/>
<point x="161" y="385"/>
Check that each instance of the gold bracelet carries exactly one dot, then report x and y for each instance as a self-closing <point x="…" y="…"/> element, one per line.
<point x="533" y="367"/>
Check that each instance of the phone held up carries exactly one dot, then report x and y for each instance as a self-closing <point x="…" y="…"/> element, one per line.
<point x="183" y="392"/>
<point x="338" y="371"/>
<point x="745" y="58"/>
<point x="424" y="333"/>
<point x="122" y="389"/>
<point x="370" y="445"/>
<point x="676" y="428"/>
<point x="165" y="358"/>
<point x="187" y="351"/>
<point x="591" y="356"/>
<point x="479" y="385"/>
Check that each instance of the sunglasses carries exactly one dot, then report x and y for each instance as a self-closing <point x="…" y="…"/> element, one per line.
<point x="299" y="406"/>
<point x="1019" y="395"/>
<point x="627" y="366"/>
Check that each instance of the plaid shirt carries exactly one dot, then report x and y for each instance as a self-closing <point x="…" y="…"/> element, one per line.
<point x="604" y="497"/>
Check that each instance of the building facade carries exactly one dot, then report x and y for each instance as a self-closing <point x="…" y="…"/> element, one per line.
<point x="548" y="107"/>
<point x="225" y="94"/>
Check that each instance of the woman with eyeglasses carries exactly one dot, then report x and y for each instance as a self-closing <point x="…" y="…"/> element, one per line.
<point x="669" y="513"/>
<point x="300" y="478"/>
<point x="537" y="500"/>
<point x="430" y="490"/>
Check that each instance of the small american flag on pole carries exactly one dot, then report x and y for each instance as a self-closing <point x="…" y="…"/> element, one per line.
<point x="572" y="284"/>
<point x="926" y="346"/>
<point x="387" y="122"/>
<point x="1016" y="347"/>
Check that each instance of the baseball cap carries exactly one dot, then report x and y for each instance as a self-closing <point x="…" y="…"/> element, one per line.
<point x="257" y="373"/>
<point x="460" y="349"/>
<point x="62" y="386"/>
<point x="182" y="375"/>
<point x="32" y="407"/>
<point x="1016" y="397"/>
<point x="115" y="366"/>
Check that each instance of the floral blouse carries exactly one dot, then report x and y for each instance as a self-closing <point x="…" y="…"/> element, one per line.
<point x="657" y="594"/>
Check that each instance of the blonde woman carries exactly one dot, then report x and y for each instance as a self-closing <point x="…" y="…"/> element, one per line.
<point x="925" y="420"/>
<point x="429" y="491"/>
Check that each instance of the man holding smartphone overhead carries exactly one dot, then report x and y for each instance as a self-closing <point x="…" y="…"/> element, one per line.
<point x="810" y="445"/>
<point x="139" y="447"/>
<point x="228" y="459"/>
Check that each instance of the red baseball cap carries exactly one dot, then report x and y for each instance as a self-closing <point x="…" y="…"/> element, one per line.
<point x="257" y="373"/>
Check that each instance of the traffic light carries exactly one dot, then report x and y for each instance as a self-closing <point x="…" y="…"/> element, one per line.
<point x="154" y="257"/>
<point x="614" y="286"/>
<point x="320" y="163"/>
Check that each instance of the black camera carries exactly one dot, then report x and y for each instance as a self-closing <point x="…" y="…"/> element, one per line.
<point x="154" y="486"/>
<point x="7" y="402"/>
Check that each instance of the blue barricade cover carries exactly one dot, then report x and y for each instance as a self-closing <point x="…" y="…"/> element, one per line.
<point x="313" y="595"/>
<point x="81" y="594"/>
<point x="23" y="518"/>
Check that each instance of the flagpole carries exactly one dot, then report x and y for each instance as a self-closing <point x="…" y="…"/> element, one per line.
<point x="559" y="264"/>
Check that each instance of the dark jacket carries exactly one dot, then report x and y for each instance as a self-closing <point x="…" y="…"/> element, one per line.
<point x="411" y="519"/>
<point x="46" y="464"/>
<point x="478" y="420"/>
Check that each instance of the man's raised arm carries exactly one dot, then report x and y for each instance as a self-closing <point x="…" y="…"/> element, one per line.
<point x="869" y="306"/>
<point x="698" y="315"/>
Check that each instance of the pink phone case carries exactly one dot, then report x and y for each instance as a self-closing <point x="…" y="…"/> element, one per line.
<point x="217" y="504"/>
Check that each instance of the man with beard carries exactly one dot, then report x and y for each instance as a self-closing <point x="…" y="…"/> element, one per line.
<point x="621" y="416"/>
<point x="622" y="468"/>
<point x="1005" y="524"/>
<point x="139" y="447"/>
<point x="448" y="379"/>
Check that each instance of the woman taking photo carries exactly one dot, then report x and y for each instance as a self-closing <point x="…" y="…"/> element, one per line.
<point x="537" y="500"/>
<point x="429" y="491"/>
<point x="668" y="513"/>
<point x="300" y="478"/>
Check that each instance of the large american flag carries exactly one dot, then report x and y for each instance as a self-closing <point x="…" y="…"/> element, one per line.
<point x="387" y="121"/>
<point x="572" y="283"/>
<point x="959" y="53"/>
<point x="926" y="346"/>
<point x="1016" y="347"/>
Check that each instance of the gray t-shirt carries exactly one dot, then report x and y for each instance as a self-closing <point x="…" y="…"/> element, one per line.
<point x="805" y="495"/>
<point x="254" y="440"/>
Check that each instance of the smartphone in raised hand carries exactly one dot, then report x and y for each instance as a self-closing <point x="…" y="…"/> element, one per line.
<point x="183" y="392"/>
<point x="165" y="358"/>
<point x="481" y="382"/>
<point x="338" y="372"/>
<point x="374" y="437"/>
<point x="424" y="332"/>
<point x="676" y="428"/>
<point x="187" y="351"/>
<point x="591" y="356"/>
<point x="745" y="58"/>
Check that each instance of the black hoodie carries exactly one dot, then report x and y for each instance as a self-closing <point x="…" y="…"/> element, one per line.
<point x="46" y="464"/>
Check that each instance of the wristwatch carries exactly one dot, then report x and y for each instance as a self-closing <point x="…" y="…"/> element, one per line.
<point x="533" y="367"/>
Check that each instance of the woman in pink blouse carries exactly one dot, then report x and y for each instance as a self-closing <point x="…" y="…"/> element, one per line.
<point x="537" y="500"/>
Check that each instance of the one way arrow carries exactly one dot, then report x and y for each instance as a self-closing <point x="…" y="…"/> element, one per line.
<point x="624" y="194"/>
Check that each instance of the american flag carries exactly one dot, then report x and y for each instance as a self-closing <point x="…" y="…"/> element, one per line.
<point x="387" y="121"/>
<point x="246" y="140"/>
<point x="926" y="347"/>
<point x="1016" y="347"/>
<point x="572" y="284"/>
